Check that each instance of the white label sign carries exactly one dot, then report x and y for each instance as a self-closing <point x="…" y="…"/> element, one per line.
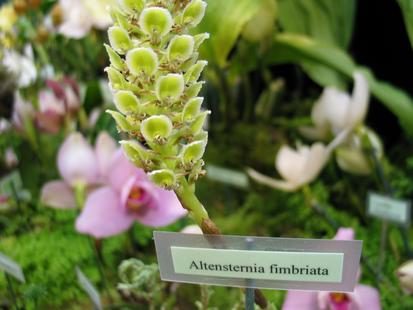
<point x="267" y="265"/>
<point x="259" y="262"/>
<point x="390" y="209"/>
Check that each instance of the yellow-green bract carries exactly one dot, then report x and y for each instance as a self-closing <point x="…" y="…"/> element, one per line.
<point x="154" y="75"/>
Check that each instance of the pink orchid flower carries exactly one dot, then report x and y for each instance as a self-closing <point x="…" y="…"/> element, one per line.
<point x="78" y="163"/>
<point x="60" y="99"/>
<point x="118" y="192"/>
<point x="128" y="196"/>
<point x="363" y="297"/>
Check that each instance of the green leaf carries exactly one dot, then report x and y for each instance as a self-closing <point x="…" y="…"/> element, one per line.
<point x="290" y="48"/>
<point x="325" y="20"/>
<point x="224" y="20"/>
<point x="407" y="9"/>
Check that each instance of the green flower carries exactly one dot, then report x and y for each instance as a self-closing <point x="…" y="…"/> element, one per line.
<point x="154" y="75"/>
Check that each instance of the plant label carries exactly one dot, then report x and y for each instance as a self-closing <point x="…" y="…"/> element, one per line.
<point x="274" y="263"/>
<point x="228" y="176"/>
<point x="389" y="209"/>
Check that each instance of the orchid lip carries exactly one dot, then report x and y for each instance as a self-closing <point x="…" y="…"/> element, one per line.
<point x="340" y="301"/>
<point x="138" y="200"/>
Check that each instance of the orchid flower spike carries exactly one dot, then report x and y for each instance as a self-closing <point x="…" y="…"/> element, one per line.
<point x="335" y="110"/>
<point x="298" y="167"/>
<point x="154" y="75"/>
<point x="363" y="297"/>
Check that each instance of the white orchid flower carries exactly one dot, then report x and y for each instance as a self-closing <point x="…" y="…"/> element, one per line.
<point x="298" y="167"/>
<point x="405" y="275"/>
<point x="335" y="110"/>
<point x="80" y="16"/>
<point x="21" y="66"/>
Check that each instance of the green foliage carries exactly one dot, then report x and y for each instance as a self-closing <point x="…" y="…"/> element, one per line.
<point x="327" y="21"/>
<point x="224" y="20"/>
<point x="291" y="48"/>
<point x="406" y="7"/>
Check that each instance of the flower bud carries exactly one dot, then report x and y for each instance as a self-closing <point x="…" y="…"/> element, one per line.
<point x="192" y="108"/>
<point x="119" y="39"/>
<point x="164" y="178"/>
<point x="155" y="21"/>
<point x="142" y="61"/>
<point x="194" y="90"/>
<point x="198" y="123"/>
<point x="192" y="152"/>
<point x="193" y="74"/>
<point x="156" y="128"/>
<point x="199" y="39"/>
<point x="119" y="18"/>
<point x="193" y="13"/>
<point x="121" y="121"/>
<point x="116" y="79"/>
<point x="115" y="60"/>
<point x="136" y="152"/>
<point x="126" y="102"/>
<point x="170" y="87"/>
<point x="132" y="5"/>
<point x="180" y="48"/>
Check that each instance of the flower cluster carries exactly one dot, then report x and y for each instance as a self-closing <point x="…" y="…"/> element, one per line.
<point x="110" y="202"/>
<point x="154" y="75"/>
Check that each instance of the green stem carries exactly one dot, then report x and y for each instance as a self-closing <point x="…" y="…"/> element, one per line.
<point x="11" y="291"/>
<point x="188" y="199"/>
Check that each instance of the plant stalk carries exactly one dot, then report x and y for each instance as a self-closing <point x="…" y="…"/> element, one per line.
<point x="188" y="199"/>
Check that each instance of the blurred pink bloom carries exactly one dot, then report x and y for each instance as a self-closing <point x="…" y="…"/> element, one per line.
<point x="78" y="163"/>
<point x="118" y="192"/>
<point x="10" y="158"/>
<point x="23" y="111"/>
<point x="128" y="196"/>
<point x="363" y="297"/>
<point x="3" y="199"/>
<point x="61" y="99"/>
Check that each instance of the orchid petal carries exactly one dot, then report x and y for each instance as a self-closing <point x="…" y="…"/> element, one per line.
<point x="121" y="171"/>
<point x="344" y="233"/>
<point x="290" y="163"/>
<point x="295" y="300"/>
<point x="405" y="275"/>
<point x="105" y="149"/>
<point x="103" y="216"/>
<point x="359" y="102"/>
<point x="367" y="297"/>
<point x="315" y="161"/>
<point x="165" y="210"/>
<point x="192" y="229"/>
<point x="273" y="183"/>
<point x="76" y="19"/>
<point x="76" y="161"/>
<point x="58" y="194"/>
